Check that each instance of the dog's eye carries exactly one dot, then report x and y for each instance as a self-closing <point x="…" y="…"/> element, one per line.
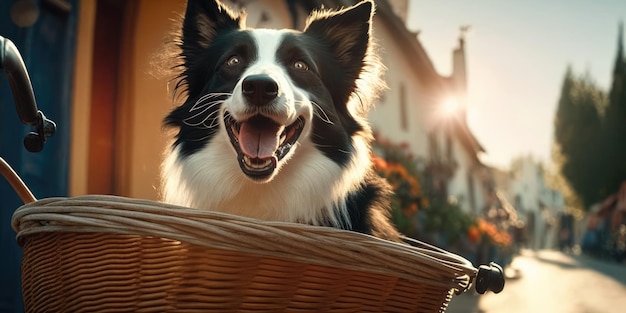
<point x="301" y="66"/>
<point x="233" y="61"/>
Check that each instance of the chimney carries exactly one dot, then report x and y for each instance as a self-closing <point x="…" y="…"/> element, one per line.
<point x="459" y="74"/>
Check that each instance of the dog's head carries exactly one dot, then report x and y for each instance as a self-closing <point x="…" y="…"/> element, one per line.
<point x="269" y="92"/>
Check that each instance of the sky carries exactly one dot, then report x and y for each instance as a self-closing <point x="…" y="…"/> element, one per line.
<point x="517" y="53"/>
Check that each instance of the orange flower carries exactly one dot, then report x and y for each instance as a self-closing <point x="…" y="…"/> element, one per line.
<point x="473" y="234"/>
<point x="379" y="163"/>
<point x="401" y="174"/>
<point x="410" y="210"/>
<point x="493" y="234"/>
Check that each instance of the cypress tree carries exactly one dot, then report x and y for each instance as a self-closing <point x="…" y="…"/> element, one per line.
<point x="614" y="128"/>
<point x="578" y="130"/>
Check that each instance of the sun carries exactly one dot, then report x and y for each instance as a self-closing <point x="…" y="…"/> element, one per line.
<point x="450" y="106"/>
<point x="447" y="109"/>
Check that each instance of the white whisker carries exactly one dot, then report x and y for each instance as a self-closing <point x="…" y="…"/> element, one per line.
<point x="214" y="95"/>
<point x="205" y="97"/>
<point x="203" y="105"/>
<point x="203" y="124"/>
<point x="199" y="104"/>
<point x="209" y="116"/>
<point x="193" y="124"/>
<point x="187" y="120"/>
<point x="213" y="120"/>
<point x="323" y="118"/>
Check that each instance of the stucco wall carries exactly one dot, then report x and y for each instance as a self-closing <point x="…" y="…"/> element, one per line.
<point x="386" y="116"/>
<point x="458" y="186"/>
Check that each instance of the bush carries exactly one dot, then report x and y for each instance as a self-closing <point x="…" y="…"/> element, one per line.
<point x="417" y="217"/>
<point x="396" y="164"/>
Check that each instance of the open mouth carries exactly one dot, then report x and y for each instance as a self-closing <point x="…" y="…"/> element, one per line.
<point x="261" y="143"/>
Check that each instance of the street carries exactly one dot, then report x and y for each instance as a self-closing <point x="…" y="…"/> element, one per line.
<point x="551" y="281"/>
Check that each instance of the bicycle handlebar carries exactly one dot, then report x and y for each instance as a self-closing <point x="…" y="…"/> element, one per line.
<point x="12" y="63"/>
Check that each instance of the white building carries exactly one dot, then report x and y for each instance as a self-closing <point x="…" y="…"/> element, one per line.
<point x="413" y="110"/>
<point x="536" y="203"/>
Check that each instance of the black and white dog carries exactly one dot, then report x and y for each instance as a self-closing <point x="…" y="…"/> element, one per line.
<point x="273" y="123"/>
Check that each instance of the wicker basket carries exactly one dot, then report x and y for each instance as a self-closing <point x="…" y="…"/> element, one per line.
<point x="114" y="254"/>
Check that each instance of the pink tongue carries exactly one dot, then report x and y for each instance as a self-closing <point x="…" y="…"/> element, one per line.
<point x="259" y="141"/>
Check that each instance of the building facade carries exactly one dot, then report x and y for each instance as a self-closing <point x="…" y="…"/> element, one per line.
<point x="537" y="204"/>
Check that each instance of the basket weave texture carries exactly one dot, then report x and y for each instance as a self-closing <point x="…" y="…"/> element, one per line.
<point x="115" y="254"/>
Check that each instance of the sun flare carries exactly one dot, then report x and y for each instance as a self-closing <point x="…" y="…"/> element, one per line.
<point x="450" y="106"/>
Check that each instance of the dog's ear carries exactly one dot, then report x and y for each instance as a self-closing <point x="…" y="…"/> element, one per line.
<point x="346" y="32"/>
<point x="203" y="20"/>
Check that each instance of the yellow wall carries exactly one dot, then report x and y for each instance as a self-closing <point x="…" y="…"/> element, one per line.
<point x="147" y="99"/>
<point x="81" y="97"/>
<point x="144" y="98"/>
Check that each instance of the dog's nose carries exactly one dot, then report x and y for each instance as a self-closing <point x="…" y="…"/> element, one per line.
<point x="259" y="89"/>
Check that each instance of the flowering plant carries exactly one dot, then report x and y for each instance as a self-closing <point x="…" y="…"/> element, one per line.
<point x="492" y="234"/>
<point x="406" y="186"/>
<point x="447" y="219"/>
<point x="396" y="164"/>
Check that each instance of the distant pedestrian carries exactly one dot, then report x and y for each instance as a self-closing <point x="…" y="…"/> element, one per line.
<point x="564" y="240"/>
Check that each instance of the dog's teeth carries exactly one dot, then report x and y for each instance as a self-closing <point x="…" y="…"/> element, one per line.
<point x="256" y="165"/>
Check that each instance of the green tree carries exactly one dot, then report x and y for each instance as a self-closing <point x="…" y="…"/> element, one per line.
<point x="578" y="133"/>
<point x="614" y="128"/>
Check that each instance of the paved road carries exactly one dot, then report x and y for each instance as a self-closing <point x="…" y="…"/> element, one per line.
<point x="550" y="281"/>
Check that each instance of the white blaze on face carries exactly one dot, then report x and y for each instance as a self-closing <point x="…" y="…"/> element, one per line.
<point x="260" y="140"/>
<point x="291" y="101"/>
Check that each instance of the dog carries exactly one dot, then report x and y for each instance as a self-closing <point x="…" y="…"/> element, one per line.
<point x="273" y="123"/>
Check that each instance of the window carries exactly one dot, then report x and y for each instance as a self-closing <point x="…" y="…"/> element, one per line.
<point x="404" y="117"/>
<point x="449" y="146"/>
<point x="518" y="202"/>
<point x="432" y="145"/>
<point x="471" y="191"/>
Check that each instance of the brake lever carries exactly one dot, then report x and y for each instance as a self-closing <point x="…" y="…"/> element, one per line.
<point x="13" y="64"/>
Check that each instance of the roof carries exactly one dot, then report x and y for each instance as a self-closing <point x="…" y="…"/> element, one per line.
<point x="414" y="50"/>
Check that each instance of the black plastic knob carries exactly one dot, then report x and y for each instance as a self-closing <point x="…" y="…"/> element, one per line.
<point x="33" y="142"/>
<point x="490" y="277"/>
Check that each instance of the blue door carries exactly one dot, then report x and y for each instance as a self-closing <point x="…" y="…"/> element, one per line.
<point x="47" y="47"/>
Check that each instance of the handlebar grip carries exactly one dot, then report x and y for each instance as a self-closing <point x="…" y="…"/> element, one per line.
<point x="13" y="65"/>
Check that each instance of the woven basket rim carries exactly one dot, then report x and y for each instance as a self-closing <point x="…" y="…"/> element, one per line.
<point x="290" y="241"/>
